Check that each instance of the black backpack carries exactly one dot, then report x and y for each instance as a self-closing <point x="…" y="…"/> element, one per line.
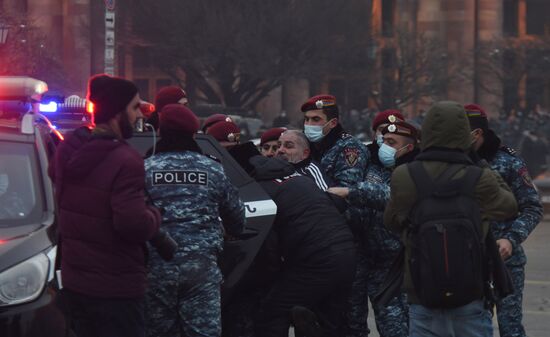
<point x="447" y="247"/>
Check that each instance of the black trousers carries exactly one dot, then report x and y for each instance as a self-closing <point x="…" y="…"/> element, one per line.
<point x="100" y="317"/>
<point x="321" y="283"/>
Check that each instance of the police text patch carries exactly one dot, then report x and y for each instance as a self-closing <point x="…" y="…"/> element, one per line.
<point x="178" y="177"/>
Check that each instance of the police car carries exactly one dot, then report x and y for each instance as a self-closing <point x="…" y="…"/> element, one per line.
<point x="239" y="253"/>
<point x="27" y="218"/>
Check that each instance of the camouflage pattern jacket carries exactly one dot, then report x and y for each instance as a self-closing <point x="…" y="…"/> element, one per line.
<point x="343" y="158"/>
<point x="194" y="193"/>
<point x="513" y="170"/>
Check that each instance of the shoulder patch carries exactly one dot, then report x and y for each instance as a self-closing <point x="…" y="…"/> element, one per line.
<point x="508" y="150"/>
<point x="179" y="177"/>
<point x="525" y="176"/>
<point x="351" y="156"/>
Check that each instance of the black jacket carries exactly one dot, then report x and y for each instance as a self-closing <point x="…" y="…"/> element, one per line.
<point x="307" y="221"/>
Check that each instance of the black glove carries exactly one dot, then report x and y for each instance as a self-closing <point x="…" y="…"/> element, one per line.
<point x="164" y="244"/>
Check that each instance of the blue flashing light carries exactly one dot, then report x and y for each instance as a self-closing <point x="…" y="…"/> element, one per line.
<point x="50" y="107"/>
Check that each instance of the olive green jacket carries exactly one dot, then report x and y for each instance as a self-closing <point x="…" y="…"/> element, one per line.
<point x="445" y="128"/>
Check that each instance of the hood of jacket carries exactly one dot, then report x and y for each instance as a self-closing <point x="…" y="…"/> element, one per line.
<point x="85" y="152"/>
<point x="270" y="168"/>
<point x="446" y="127"/>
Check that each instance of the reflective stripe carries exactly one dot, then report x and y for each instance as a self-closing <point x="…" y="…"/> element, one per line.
<point x="260" y="208"/>
<point x="317" y="176"/>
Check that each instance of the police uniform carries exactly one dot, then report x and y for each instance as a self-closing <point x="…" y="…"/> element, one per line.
<point x="343" y="158"/>
<point x="378" y="249"/>
<point x="184" y="294"/>
<point x="513" y="170"/>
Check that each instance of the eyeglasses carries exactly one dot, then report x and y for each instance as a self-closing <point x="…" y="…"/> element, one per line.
<point x="267" y="147"/>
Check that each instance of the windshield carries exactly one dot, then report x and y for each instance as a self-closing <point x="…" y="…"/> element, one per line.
<point x="20" y="197"/>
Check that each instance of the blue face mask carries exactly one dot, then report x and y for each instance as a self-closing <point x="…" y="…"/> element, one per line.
<point x="386" y="154"/>
<point x="314" y="132"/>
<point x="379" y="140"/>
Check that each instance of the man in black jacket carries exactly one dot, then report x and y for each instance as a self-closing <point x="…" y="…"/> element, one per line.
<point x="294" y="148"/>
<point x="316" y="247"/>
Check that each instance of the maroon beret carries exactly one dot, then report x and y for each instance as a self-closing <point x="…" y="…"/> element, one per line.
<point x="319" y="102"/>
<point x="476" y="116"/>
<point x="402" y="129"/>
<point x="474" y="110"/>
<point x="178" y="117"/>
<point x="213" y="119"/>
<point x="169" y="95"/>
<point x="386" y="117"/>
<point x="225" y="131"/>
<point x="271" y="134"/>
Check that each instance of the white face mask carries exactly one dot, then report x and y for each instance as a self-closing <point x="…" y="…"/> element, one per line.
<point x="4" y="183"/>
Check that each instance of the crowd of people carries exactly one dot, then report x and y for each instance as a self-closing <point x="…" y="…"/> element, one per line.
<point x="426" y="226"/>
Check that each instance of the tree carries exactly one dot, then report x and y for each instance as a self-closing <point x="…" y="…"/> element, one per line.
<point x="504" y="63"/>
<point x="235" y="52"/>
<point x="412" y="67"/>
<point x="26" y="53"/>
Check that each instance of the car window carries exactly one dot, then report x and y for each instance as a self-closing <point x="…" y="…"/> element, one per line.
<point x="20" y="194"/>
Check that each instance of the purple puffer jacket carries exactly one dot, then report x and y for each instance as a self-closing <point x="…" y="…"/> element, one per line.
<point x="104" y="221"/>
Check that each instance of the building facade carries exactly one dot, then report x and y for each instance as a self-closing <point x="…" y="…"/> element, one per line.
<point x="75" y="31"/>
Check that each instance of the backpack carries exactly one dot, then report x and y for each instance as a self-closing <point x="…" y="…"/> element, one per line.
<point x="447" y="247"/>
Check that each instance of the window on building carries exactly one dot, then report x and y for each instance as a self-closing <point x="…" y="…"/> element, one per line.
<point x="538" y="20"/>
<point x="388" y="58"/>
<point x="358" y="94"/>
<point x="510" y="21"/>
<point x="388" y="17"/>
<point x="534" y="91"/>
<point x="141" y="58"/>
<point x="143" y="87"/>
<point x="164" y="82"/>
<point x="338" y="88"/>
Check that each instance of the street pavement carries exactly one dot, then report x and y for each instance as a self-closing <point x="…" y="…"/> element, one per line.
<point x="536" y="300"/>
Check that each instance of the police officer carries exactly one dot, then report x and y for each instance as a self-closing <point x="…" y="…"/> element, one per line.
<point x="379" y="247"/>
<point x="343" y="158"/>
<point x="509" y="234"/>
<point x="193" y="190"/>
<point x="167" y="95"/>
<point x="269" y="141"/>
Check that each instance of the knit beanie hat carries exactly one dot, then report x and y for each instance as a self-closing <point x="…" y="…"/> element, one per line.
<point x="169" y="95"/>
<point x="110" y="96"/>
<point x="179" y="118"/>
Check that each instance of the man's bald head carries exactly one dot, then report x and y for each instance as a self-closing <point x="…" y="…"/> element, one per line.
<point x="293" y="146"/>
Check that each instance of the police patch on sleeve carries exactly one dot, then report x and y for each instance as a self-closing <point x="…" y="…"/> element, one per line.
<point x="524" y="174"/>
<point x="179" y="177"/>
<point x="351" y="156"/>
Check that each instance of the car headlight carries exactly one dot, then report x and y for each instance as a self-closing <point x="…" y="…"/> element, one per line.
<point x="25" y="281"/>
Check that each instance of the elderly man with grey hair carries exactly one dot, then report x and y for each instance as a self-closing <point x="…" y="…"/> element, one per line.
<point x="294" y="148"/>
